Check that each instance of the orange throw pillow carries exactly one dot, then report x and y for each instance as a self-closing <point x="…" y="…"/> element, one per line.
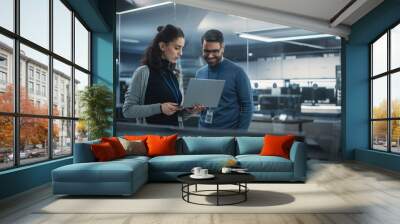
<point x="277" y="145"/>
<point x="136" y="137"/>
<point x="161" y="145"/>
<point x="103" y="151"/>
<point x="116" y="145"/>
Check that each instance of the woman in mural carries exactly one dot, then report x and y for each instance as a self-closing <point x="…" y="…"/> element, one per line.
<point x="154" y="95"/>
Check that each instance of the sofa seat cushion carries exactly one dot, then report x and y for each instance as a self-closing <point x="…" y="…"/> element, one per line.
<point x="257" y="163"/>
<point x="185" y="163"/>
<point x="112" y="171"/>
<point x="133" y="158"/>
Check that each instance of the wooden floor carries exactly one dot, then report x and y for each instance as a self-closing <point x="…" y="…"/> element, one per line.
<point x="377" y="188"/>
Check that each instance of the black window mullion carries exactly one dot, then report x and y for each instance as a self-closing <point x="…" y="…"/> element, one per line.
<point x="50" y="87"/>
<point x="16" y="83"/>
<point x="371" y="137"/>
<point x="89" y="54"/>
<point x="73" y="82"/>
<point x="389" y="92"/>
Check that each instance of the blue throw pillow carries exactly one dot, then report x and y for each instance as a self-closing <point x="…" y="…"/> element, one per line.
<point x="249" y="145"/>
<point x="208" y="145"/>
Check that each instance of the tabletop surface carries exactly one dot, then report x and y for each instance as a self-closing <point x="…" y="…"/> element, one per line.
<point x="220" y="178"/>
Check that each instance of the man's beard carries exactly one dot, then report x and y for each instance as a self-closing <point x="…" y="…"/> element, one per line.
<point x="215" y="61"/>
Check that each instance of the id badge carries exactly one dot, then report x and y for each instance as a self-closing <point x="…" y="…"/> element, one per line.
<point x="209" y="116"/>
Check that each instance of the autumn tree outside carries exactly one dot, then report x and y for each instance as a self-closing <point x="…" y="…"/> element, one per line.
<point x="33" y="131"/>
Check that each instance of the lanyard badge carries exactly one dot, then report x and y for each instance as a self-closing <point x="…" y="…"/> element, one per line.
<point x="209" y="116"/>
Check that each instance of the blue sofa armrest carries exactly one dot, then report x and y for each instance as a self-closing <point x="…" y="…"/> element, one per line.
<point x="83" y="152"/>
<point x="298" y="155"/>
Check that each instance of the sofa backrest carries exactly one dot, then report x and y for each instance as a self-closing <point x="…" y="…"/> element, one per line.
<point x="249" y="145"/>
<point x="83" y="152"/>
<point x="208" y="145"/>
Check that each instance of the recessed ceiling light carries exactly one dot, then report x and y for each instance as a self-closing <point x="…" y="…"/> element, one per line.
<point x="132" y="41"/>
<point x="143" y="8"/>
<point x="270" y="40"/>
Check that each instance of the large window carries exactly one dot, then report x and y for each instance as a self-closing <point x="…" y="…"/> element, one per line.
<point x="385" y="95"/>
<point x="40" y="80"/>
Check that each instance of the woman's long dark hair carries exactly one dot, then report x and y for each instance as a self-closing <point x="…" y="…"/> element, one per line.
<point x="166" y="34"/>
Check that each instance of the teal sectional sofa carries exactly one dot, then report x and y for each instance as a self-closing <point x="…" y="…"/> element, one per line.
<point x="125" y="176"/>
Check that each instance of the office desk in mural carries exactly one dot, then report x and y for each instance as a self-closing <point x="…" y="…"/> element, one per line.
<point x="260" y="118"/>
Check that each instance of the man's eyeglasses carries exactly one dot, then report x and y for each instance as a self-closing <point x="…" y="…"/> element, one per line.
<point x="213" y="51"/>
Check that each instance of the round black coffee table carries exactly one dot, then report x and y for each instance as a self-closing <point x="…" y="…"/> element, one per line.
<point x="238" y="179"/>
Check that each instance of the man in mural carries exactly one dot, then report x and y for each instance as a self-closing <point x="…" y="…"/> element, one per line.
<point x="235" y="106"/>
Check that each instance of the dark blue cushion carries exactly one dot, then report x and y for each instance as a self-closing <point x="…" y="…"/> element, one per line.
<point x="249" y="145"/>
<point x="208" y="145"/>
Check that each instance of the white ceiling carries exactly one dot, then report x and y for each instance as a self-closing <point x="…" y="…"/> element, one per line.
<point x="314" y="15"/>
<point x="320" y="9"/>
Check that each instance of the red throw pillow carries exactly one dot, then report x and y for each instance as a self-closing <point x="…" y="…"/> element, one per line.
<point x="161" y="145"/>
<point x="277" y="145"/>
<point x="116" y="145"/>
<point x="103" y="151"/>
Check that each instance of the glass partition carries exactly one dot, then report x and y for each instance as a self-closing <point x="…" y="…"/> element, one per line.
<point x="294" y="75"/>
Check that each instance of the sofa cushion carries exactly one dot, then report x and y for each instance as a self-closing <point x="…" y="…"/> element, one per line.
<point x="116" y="145"/>
<point x="249" y="145"/>
<point x="135" y="137"/>
<point x="277" y="145"/>
<point x="83" y="152"/>
<point x="208" y="145"/>
<point x="136" y="147"/>
<point x="103" y="152"/>
<point x="112" y="171"/>
<point x="257" y="163"/>
<point x="185" y="163"/>
<point x="118" y="177"/>
<point x="161" y="145"/>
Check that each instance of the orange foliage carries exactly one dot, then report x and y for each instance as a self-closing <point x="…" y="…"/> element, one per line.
<point x="33" y="130"/>
<point x="380" y="127"/>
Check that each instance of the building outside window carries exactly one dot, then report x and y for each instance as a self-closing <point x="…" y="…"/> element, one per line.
<point x="3" y="78"/>
<point x="37" y="75"/>
<point x="30" y="72"/>
<point x="44" y="77"/>
<point x="3" y="61"/>
<point x="30" y="87"/>
<point x="3" y="72"/>
<point x="37" y="89"/>
<point x="43" y="90"/>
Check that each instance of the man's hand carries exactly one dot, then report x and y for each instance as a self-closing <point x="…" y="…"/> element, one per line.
<point x="197" y="108"/>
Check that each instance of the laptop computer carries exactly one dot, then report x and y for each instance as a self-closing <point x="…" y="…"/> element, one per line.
<point x="206" y="92"/>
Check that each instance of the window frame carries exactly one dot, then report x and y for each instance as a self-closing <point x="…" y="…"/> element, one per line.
<point x="16" y="114"/>
<point x="388" y="74"/>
